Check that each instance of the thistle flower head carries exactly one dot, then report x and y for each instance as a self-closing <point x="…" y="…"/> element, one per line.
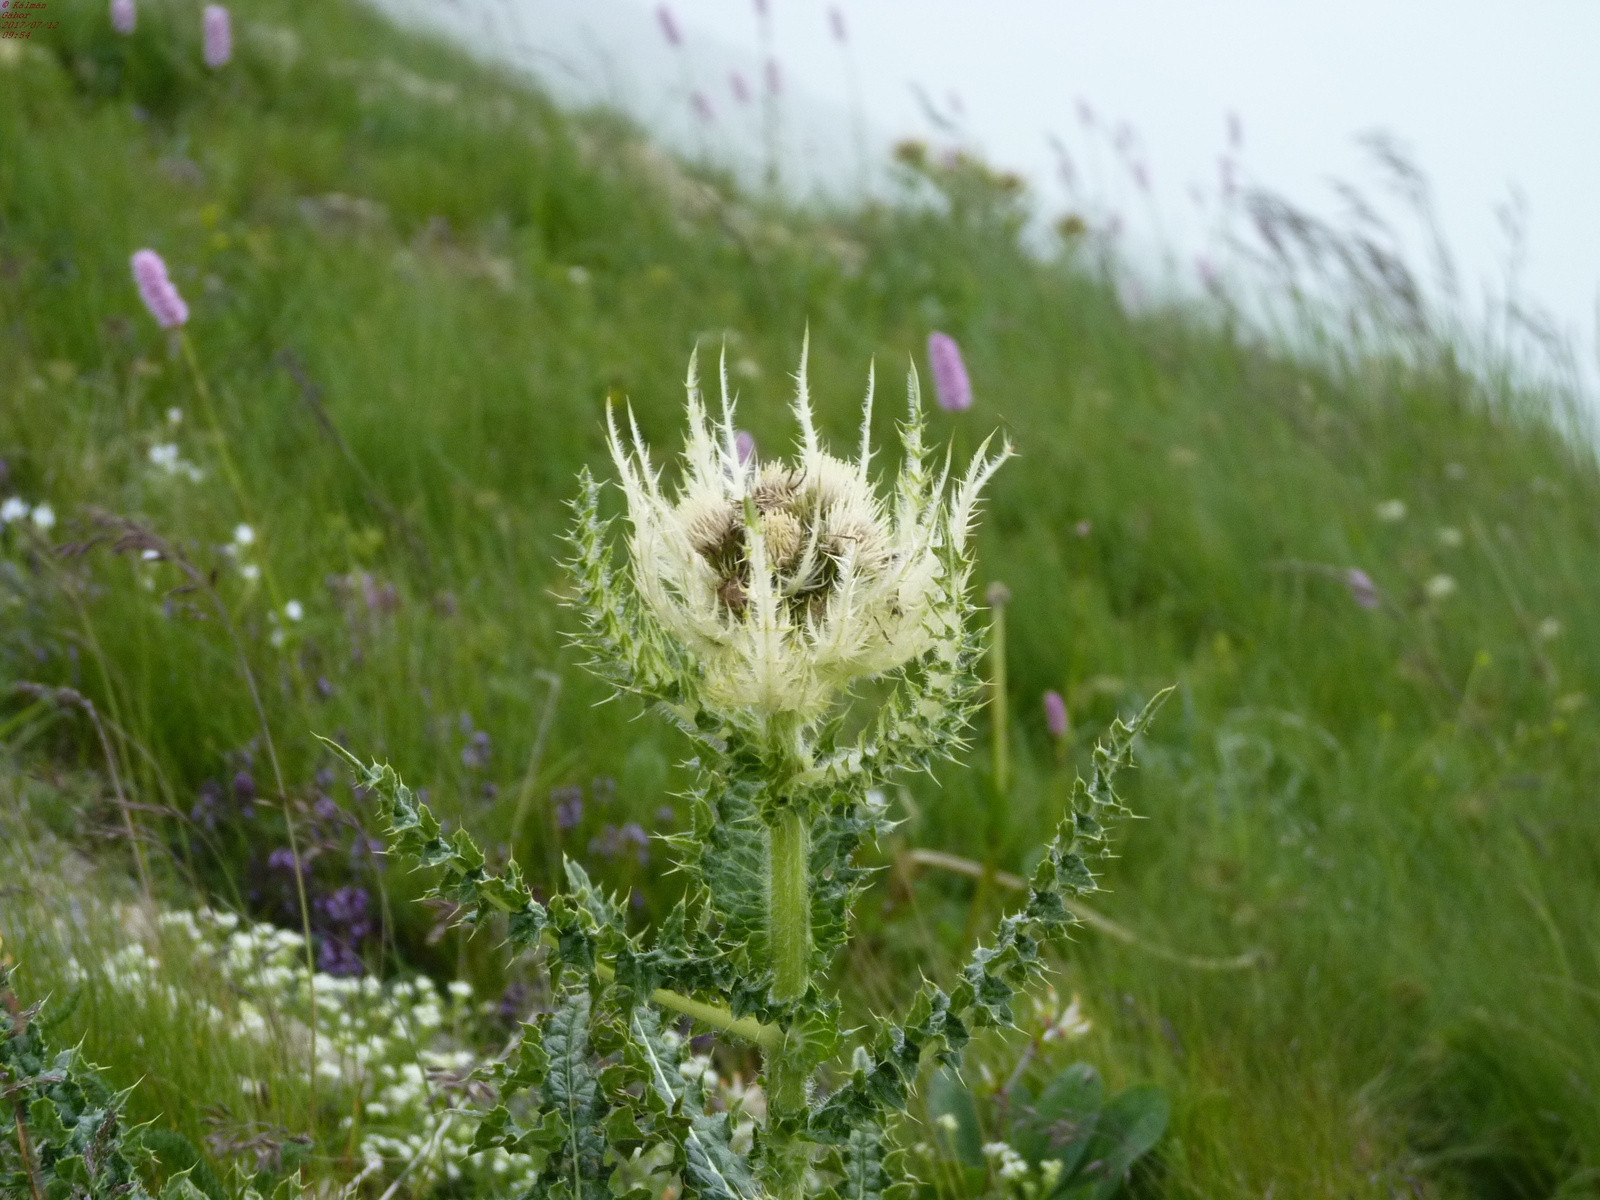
<point x="123" y="16"/>
<point x="786" y="580"/>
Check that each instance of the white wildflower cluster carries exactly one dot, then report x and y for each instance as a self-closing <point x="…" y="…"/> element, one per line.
<point x="788" y="580"/>
<point x="1007" y="1163"/>
<point x="15" y="509"/>
<point x="164" y="457"/>
<point x="238" y="548"/>
<point x="386" y="1050"/>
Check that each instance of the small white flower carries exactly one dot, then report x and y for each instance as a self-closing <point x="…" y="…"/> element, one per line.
<point x="14" y="509"/>
<point x="294" y="610"/>
<point x="1071" y="1023"/>
<point x="243" y="535"/>
<point x="947" y="1122"/>
<point x="276" y="637"/>
<point x="578" y="275"/>
<point x="44" y="517"/>
<point x="1439" y="587"/>
<point x="174" y="415"/>
<point x="250" y="571"/>
<point x="165" y="456"/>
<point x="149" y="555"/>
<point x="1549" y="628"/>
<point x="1391" y="510"/>
<point x="461" y="989"/>
<point x="1450" y="537"/>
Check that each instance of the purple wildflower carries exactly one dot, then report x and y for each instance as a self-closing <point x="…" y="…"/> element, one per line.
<point x="669" y="26"/>
<point x="475" y="754"/>
<point x="569" y="806"/>
<point x="744" y="443"/>
<point x="702" y="106"/>
<point x="836" y="23"/>
<point x="665" y="815"/>
<point x="337" y="957"/>
<point x="123" y="16"/>
<point x="603" y="788"/>
<point x="218" y="29"/>
<point x="740" y="89"/>
<point x="1055" y="714"/>
<point x="513" y="1003"/>
<point x="614" y="841"/>
<point x="281" y="859"/>
<point x="157" y="291"/>
<point x="207" y="805"/>
<point x="1362" y="590"/>
<point x="346" y="906"/>
<point x="950" y="382"/>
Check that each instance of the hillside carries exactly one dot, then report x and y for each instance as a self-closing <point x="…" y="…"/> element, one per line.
<point x="414" y="287"/>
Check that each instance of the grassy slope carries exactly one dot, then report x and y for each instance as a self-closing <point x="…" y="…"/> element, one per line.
<point x="1395" y="805"/>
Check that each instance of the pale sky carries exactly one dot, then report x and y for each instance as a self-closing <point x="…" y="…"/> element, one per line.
<point x="1487" y="96"/>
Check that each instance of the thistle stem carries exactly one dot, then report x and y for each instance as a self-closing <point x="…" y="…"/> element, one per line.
<point x="791" y="909"/>
<point x="790" y="925"/>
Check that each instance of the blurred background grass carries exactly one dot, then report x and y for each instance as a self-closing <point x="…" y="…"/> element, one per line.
<point x="415" y="284"/>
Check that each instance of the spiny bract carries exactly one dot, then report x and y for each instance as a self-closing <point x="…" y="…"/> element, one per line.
<point x="785" y="581"/>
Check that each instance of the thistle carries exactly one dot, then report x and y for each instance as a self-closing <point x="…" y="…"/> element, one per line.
<point x="756" y="594"/>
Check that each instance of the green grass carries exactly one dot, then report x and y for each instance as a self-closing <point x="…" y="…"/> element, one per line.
<point x="1396" y="806"/>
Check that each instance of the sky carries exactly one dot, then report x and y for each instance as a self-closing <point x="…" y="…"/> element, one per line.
<point x="1497" y="103"/>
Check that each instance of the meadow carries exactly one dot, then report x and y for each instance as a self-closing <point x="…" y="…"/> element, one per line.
<point x="1360" y="953"/>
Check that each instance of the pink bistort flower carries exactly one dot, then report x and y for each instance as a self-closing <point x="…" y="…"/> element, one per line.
<point x="157" y="291"/>
<point x="1055" y="714"/>
<point x="218" y="30"/>
<point x="669" y="26"/>
<point x="123" y="16"/>
<point x="950" y="383"/>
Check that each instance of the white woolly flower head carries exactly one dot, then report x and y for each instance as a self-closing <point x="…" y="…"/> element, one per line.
<point x="786" y="580"/>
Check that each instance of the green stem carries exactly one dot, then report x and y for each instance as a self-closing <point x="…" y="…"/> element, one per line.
<point x="791" y="908"/>
<point x="997" y="703"/>
<point x="790" y="926"/>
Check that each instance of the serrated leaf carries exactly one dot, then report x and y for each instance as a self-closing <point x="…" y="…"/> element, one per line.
<point x="711" y="1168"/>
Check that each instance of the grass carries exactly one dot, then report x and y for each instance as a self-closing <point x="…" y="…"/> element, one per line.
<point x="1393" y="805"/>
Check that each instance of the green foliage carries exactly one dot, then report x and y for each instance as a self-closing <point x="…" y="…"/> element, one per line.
<point x="607" y="1081"/>
<point x="1334" y="785"/>
<point x="73" y="1140"/>
<point x="1077" y="1143"/>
